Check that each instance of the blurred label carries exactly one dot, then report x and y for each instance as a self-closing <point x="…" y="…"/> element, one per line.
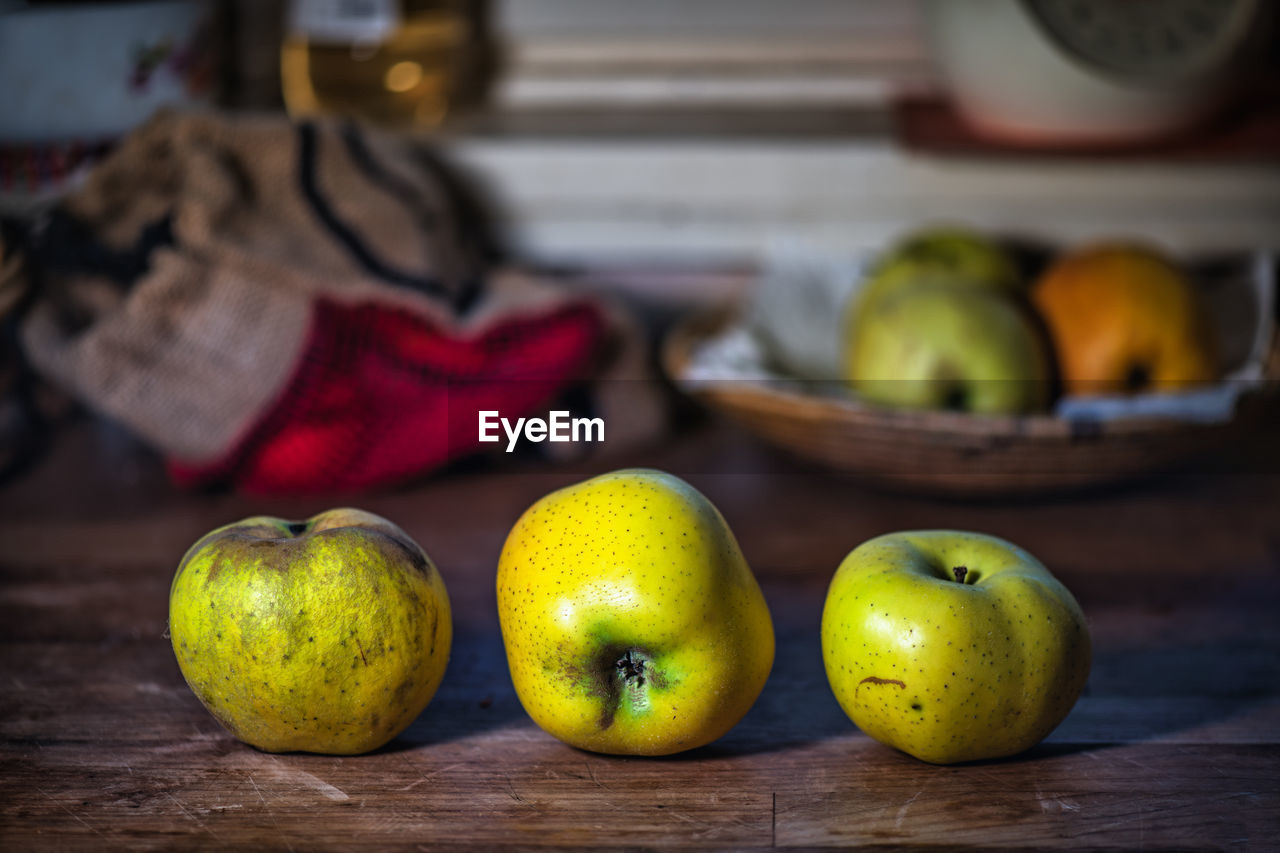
<point x="353" y="21"/>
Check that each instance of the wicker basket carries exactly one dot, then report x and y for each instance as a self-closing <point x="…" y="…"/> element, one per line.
<point x="951" y="453"/>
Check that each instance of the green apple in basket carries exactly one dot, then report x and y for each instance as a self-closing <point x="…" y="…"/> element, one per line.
<point x="940" y="323"/>
<point x="944" y="256"/>
<point x="947" y="347"/>
<point x="952" y="646"/>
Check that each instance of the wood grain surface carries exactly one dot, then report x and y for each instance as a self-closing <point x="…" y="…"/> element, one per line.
<point x="1175" y="744"/>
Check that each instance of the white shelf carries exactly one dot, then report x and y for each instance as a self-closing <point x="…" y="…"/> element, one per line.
<point x="534" y="19"/>
<point x="728" y="200"/>
<point x="713" y="53"/>
<point x="723" y="187"/>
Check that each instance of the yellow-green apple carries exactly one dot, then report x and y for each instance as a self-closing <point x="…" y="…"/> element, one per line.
<point x="327" y="635"/>
<point x="948" y="256"/>
<point x="952" y="646"/>
<point x="632" y="622"/>
<point x="950" y="348"/>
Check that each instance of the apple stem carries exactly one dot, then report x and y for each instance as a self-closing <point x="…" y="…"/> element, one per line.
<point x="631" y="667"/>
<point x="960" y="572"/>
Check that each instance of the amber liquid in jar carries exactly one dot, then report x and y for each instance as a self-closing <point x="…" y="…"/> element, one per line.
<point x="399" y="63"/>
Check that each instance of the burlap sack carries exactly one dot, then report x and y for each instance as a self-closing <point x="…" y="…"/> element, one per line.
<point x="178" y="285"/>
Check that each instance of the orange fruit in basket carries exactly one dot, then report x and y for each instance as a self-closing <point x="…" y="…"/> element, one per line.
<point x="1124" y="319"/>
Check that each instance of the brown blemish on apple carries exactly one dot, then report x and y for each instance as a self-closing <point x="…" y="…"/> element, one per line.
<point x="431" y="628"/>
<point x="401" y="694"/>
<point x="871" y="679"/>
<point x="281" y="532"/>
<point x="360" y="647"/>
<point x="238" y="546"/>
<point x="419" y="560"/>
<point x="386" y="533"/>
<point x="410" y="549"/>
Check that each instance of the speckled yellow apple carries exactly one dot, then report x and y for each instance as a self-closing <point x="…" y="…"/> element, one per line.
<point x="632" y="622"/>
<point x="328" y="635"/>
<point x="952" y="646"/>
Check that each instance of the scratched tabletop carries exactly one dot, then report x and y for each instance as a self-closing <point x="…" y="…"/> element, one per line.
<point x="1175" y="743"/>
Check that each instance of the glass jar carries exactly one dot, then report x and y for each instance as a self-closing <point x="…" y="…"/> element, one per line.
<point x="401" y="63"/>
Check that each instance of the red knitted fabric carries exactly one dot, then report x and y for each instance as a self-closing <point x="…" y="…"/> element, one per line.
<point x="381" y="395"/>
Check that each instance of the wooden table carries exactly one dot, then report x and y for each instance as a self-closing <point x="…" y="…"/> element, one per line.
<point x="1175" y="744"/>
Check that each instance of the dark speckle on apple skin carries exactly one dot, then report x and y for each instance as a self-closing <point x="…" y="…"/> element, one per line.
<point x="271" y="542"/>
